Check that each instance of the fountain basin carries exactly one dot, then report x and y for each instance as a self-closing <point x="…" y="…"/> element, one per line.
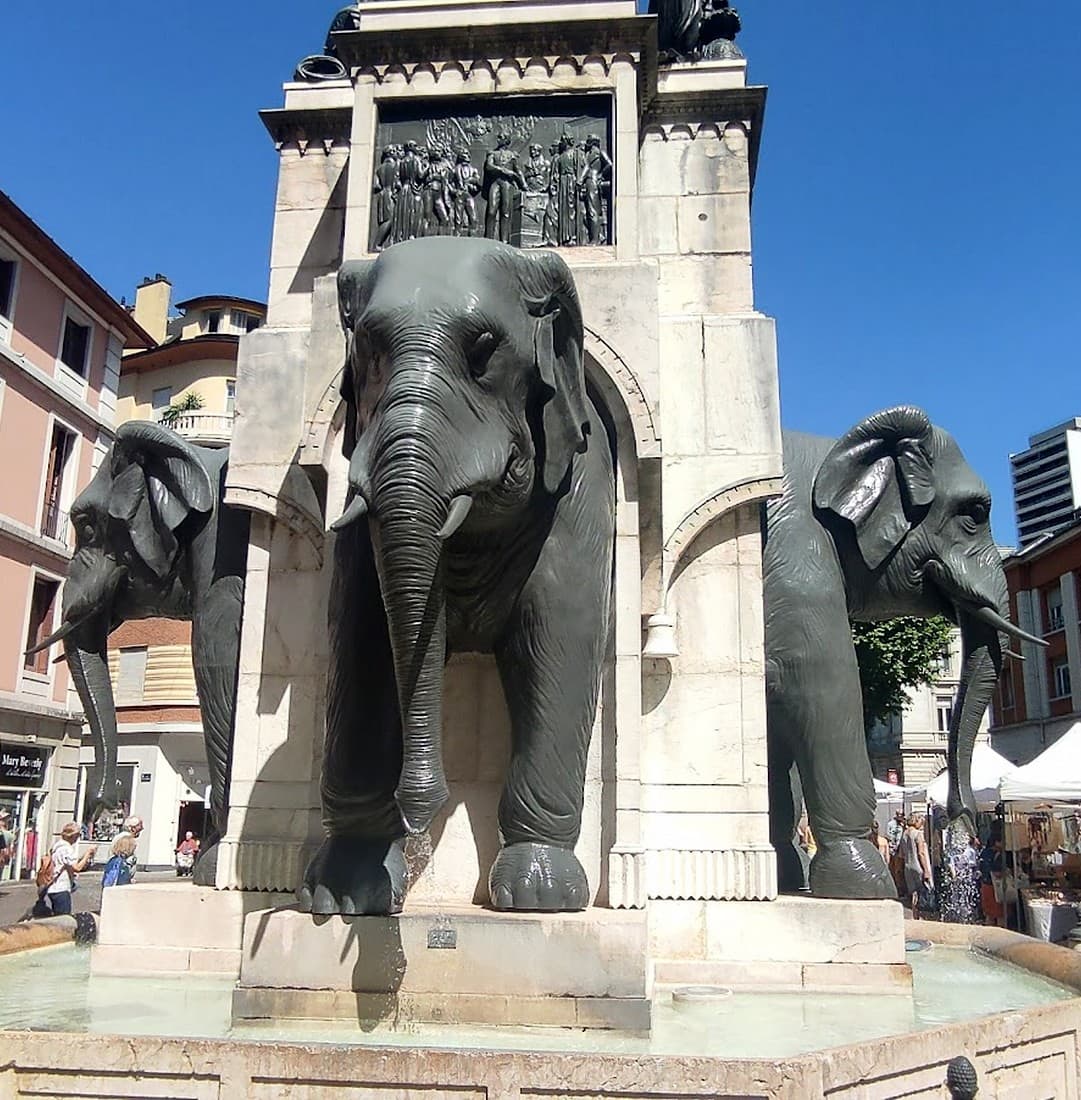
<point x="177" y="1032"/>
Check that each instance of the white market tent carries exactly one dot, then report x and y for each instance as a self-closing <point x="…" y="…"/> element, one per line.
<point x="988" y="770"/>
<point x="1054" y="776"/>
<point x="889" y="792"/>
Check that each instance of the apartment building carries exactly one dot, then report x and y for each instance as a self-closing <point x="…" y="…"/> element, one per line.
<point x="1047" y="481"/>
<point x="913" y="744"/>
<point x="1038" y="699"/>
<point x="185" y="381"/>
<point x="61" y="341"/>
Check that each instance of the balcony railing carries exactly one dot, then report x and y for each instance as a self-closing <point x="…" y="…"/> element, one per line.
<point x="54" y="522"/>
<point x="202" y="427"/>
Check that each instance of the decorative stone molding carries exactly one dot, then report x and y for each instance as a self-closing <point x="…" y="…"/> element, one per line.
<point x="323" y="127"/>
<point x="647" y="435"/>
<point x="713" y="507"/>
<point x="261" y="864"/>
<point x="731" y="874"/>
<point x="293" y="503"/>
<point x="487" y="68"/>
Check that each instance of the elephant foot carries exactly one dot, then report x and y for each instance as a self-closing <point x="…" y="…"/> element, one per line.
<point x="205" y="871"/>
<point x="538" y="876"/>
<point x="850" y="868"/>
<point x="355" y="876"/>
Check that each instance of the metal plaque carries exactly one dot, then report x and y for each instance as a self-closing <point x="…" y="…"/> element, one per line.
<point x="442" y="939"/>
<point x="540" y="176"/>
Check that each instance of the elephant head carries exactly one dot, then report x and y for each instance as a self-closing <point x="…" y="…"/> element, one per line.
<point x="127" y="560"/>
<point x="466" y="401"/>
<point x="911" y="522"/>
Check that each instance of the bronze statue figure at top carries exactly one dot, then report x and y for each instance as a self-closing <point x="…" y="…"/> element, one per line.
<point x="692" y="30"/>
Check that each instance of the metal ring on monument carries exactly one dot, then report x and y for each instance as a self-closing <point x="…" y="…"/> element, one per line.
<point x="319" y="67"/>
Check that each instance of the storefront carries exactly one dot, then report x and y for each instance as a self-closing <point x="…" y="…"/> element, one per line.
<point x="23" y="771"/>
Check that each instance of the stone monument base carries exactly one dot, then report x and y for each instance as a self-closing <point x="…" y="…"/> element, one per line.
<point x="174" y="927"/>
<point x="448" y="965"/>
<point x="795" y="942"/>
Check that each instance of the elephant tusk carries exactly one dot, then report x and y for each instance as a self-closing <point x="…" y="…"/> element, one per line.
<point x="357" y="508"/>
<point x="57" y="635"/>
<point x="993" y="618"/>
<point x="459" y="509"/>
<point x="1015" y="656"/>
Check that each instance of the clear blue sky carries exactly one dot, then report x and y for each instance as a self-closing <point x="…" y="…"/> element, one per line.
<point x="916" y="215"/>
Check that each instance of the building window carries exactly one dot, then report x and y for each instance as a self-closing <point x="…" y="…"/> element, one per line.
<point x="230" y="397"/>
<point x="53" y="517"/>
<point x="1054" y="609"/>
<point x="244" y="321"/>
<point x="213" y="320"/>
<point x="131" y="675"/>
<point x="160" y="400"/>
<point x="1060" y="677"/>
<point x="943" y="713"/>
<point x="1006" y="688"/>
<point x="7" y="291"/>
<point x="75" y="347"/>
<point x="42" y="607"/>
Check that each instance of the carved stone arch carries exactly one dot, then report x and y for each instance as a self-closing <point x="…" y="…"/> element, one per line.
<point x="706" y="513"/>
<point x="624" y="381"/>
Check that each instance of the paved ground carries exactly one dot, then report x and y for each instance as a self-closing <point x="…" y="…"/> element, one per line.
<point x="17" y="898"/>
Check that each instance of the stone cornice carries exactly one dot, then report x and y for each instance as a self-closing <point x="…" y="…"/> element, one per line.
<point x="719" y="105"/>
<point x="325" y="126"/>
<point x="636" y="35"/>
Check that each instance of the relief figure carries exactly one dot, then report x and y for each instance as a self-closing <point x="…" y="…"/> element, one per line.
<point x="503" y="183"/>
<point x="386" y="187"/>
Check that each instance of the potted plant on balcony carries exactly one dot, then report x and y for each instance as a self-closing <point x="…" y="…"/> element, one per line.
<point x="190" y="402"/>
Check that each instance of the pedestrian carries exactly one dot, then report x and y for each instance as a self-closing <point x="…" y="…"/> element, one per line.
<point x="917" y="865"/>
<point x="133" y="826"/>
<point x="119" y="868"/>
<point x="894" y="831"/>
<point x="991" y="880"/>
<point x="57" y="875"/>
<point x="880" y="842"/>
<point x="185" y="854"/>
<point x="7" y="847"/>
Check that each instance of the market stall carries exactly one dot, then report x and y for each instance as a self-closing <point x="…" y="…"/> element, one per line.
<point x="1043" y="816"/>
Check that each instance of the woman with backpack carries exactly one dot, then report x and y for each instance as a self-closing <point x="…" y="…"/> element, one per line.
<point x="56" y="875"/>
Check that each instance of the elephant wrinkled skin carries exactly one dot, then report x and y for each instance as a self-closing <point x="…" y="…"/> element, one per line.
<point x="480" y="518"/>
<point x="887" y="521"/>
<point x="153" y="539"/>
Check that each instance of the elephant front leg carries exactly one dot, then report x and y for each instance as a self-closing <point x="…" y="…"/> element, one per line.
<point x="815" y="708"/>
<point x="550" y="666"/>
<point x="360" y="866"/>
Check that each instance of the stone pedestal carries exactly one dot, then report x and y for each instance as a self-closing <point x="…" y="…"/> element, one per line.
<point x="448" y="965"/>
<point x="172" y="928"/>
<point x="792" y="943"/>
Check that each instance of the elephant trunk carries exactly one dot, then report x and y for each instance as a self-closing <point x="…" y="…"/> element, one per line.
<point x="981" y="646"/>
<point x="85" y="650"/>
<point x="410" y="510"/>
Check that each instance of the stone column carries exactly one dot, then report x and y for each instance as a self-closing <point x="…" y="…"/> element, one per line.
<point x="1034" y="670"/>
<point x="1068" y="587"/>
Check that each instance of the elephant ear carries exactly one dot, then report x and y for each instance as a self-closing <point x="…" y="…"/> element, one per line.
<point x="157" y="482"/>
<point x="879" y="477"/>
<point x="353" y="293"/>
<point x="551" y="298"/>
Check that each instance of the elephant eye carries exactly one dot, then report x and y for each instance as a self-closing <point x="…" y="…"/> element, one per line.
<point x="978" y="511"/>
<point x="87" y="531"/>
<point x="481" y="353"/>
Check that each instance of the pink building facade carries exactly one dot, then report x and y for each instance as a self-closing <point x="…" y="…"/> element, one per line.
<point x="61" y="340"/>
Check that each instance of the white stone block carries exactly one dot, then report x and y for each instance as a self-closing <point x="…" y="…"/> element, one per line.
<point x="706" y="284"/>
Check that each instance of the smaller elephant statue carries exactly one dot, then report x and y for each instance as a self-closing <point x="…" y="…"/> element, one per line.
<point x="480" y="518"/>
<point x="153" y="539"/>
<point x="888" y="520"/>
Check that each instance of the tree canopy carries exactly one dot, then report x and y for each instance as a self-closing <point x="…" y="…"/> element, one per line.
<point x="896" y="655"/>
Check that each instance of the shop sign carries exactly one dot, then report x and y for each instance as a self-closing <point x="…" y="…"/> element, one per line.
<point x="22" y="765"/>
